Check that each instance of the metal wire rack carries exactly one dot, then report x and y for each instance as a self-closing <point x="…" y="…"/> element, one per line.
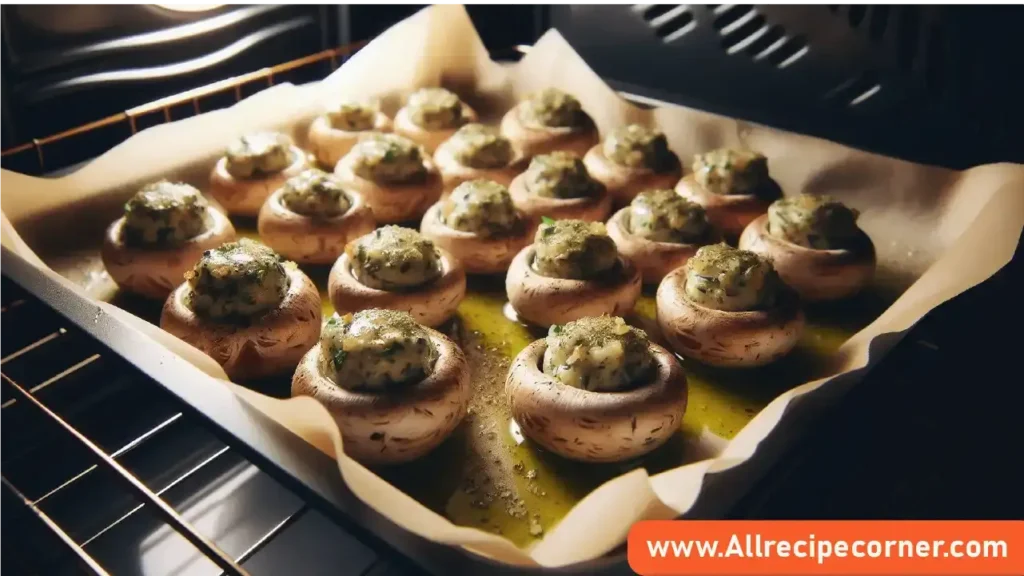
<point x="101" y="463"/>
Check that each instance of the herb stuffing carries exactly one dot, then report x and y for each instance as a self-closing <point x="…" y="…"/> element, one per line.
<point x="376" y="350"/>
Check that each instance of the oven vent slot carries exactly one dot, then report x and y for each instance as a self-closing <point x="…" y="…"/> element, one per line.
<point x="855" y="91"/>
<point x="745" y="30"/>
<point x="670" y="22"/>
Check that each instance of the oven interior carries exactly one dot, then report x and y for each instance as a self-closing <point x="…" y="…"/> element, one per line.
<point x="111" y="467"/>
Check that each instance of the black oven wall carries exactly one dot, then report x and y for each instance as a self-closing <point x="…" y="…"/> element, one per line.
<point x="932" y="84"/>
<point x="67" y="65"/>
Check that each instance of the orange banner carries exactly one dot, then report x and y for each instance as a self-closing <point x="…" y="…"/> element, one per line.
<point x="904" y="548"/>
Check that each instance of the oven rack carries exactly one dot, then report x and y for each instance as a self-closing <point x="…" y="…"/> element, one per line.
<point x="97" y="456"/>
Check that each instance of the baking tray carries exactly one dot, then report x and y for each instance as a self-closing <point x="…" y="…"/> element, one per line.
<point x="881" y="342"/>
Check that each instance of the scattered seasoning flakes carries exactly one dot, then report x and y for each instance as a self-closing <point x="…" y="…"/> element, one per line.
<point x="531" y="474"/>
<point x="536" y="530"/>
<point x="518" y="468"/>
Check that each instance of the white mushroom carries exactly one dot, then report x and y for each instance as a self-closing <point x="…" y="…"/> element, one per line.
<point x="395" y="389"/>
<point x="548" y="121"/>
<point x="815" y="245"/>
<point x="248" y="310"/>
<point x="732" y="185"/>
<point x="476" y="152"/>
<point x="597" y="390"/>
<point x="728" y="308"/>
<point x="659" y="231"/>
<point x="332" y="135"/>
<point x="431" y="116"/>
<point x="558" y="186"/>
<point x="393" y="175"/>
<point x="312" y="218"/>
<point x="165" y="229"/>
<point x="254" y="166"/>
<point x="572" y="270"/>
<point x="632" y="159"/>
<point x="478" y="225"/>
<point x="398" y="269"/>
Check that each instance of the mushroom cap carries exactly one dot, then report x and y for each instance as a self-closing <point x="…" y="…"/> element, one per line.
<point x="596" y="426"/>
<point x="589" y="208"/>
<point x="330" y="144"/>
<point x="479" y="255"/>
<point x="624" y="183"/>
<point x="394" y="203"/>
<point x="429" y="139"/>
<point x="271" y="345"/>
<point x="817" y="275"/>
<point x="730" y="213"/>
<point x="431" y="304"/>
<point x="654" y="259"/>
<point x="241" y="197"/>
<point x="454" y="172"/>
<point x="397" y="425"/>
<point x="154" y="273"/>
<point x="530" y="141"/>
<point x="727" y="339"/>
<point x="310" y="240"/>
<point x="544" y="301"/>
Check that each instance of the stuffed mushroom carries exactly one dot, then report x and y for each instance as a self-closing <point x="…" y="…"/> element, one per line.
<point x="253" y="167"/>
<point x="547" y="121"/>
<point x="247" y="308"/>
<point x="732" y="185"/>
<point x="334" y="133"/>
<point x="312" y="217"/>
<point x="476" y="151"/>
<point x="728" y="307"/>
<point x="165" y="228"/>
<point x="659" y="231"/>
<point x="597" y="390"/>
<point x="816" y="246"/>
<point x="571" y="270"/>
<point x="394" y="176"/>
<point x="632" y="159"/>
<point x="431" y="116"/>
<point x="395" y="388"/>
<point x="558" y="186"/>
<point x="479" y="225"/>
<point x="397" y="268"/>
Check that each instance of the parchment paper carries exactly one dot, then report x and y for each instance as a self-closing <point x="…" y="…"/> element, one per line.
<point x="937" y="232"/>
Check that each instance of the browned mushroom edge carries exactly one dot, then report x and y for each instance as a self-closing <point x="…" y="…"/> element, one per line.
<point x="726" y="339"/>
<point x="530" y="142"/>
<point x="431" y="140"/>
<point x="395" y="203"/>
<point x="654" y="259"/>
<point x="817" y="275"/>
<point x="625" y="183"/>
<point x="396" y="425"/>
<point x="588" y="208"/>
<point x="454" y="172"/>
<point x="309" y="240"/>
<point x="155" y="272"/>
<point x="271" y="345"/>
<point x="730" y="213"/>
<point x="431" y="304"/>
<point x="245" y="197"/>
<point x="478" y="255"/>
<point x="596" y="426"/>
<point x="330" y="144"/>
<point x="544" y="301"/>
